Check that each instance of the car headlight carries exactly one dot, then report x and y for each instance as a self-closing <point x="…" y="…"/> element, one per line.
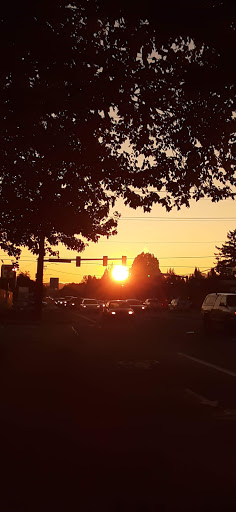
<point x="131" y="312"/>
<point x="113" y="312"/>
<point x="143" y="307"/>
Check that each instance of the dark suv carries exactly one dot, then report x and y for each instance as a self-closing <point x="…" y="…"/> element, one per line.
<point x="219" y="310"/>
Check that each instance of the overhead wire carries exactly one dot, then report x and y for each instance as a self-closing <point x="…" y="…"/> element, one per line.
<point x="170" y="219"/>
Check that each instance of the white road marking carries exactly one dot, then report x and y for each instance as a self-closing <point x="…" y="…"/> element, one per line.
<point x="202" y="399"/>
<point x="210" y="365"/>
<point x="74" y="330"/>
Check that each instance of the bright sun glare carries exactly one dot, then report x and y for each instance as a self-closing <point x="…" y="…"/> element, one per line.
<point x="120" y="273"/>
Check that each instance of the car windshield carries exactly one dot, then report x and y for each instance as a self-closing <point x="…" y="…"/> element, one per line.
<point x="90" y="301"/>
<point x="231" y="300"/>
<point x="119" y="305"/>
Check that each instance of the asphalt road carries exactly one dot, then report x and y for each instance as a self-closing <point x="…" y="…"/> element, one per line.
<point x="137" y="417"/>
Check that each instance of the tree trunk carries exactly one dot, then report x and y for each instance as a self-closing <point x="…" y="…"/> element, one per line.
<point x="39" y="279"/>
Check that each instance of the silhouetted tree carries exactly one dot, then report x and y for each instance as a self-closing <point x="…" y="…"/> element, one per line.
<point x="175" y="285"/>
<point x="226" y="257"/>
<point x="145" y="265"/>
<point x="145" y="276"/>
<point x="79" y="81"/>
<point x="212" y="274"/>
<point x="23" y="279"/>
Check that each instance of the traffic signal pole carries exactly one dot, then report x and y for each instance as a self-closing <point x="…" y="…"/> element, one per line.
<point x="69" y="260"/>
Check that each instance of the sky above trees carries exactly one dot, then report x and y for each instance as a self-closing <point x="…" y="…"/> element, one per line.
<point x="171" y="242"/>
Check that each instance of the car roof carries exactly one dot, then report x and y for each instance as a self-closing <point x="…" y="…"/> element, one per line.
<point x="220" y="293"/>
<point x="225" y="293"/>
<point x="88" y="298"/>
<point x="117" y="300"/>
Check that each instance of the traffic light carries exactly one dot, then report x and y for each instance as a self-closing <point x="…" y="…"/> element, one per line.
<point x="105" y="258"/>
<point x="124" y="261"/>
<point x="78" y="261"/>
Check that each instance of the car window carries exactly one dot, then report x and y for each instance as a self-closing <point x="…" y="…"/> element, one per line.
<point x="90" y="301"/>
<point x="217" y="301"/>
<point x="231" y="300"/>
<point x="113" y="305"/>
<point x="223" y="301"/>
<point x="118" y="305"/>
<point x="209" y="300"/>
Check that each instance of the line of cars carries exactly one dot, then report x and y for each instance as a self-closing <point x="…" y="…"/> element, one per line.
<point x="90" y="305"/>
<point x="218" y="309"/>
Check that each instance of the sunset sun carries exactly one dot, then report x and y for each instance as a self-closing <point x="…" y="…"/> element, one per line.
<point x="120" y="273"/>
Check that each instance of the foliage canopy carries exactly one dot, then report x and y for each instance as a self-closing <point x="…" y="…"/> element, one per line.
<point x="226" y="256"/>
<point x="145" y="265"/>
<point x="101" y="101"/>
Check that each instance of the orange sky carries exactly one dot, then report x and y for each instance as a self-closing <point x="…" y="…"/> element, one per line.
<point x="177" y="242"/>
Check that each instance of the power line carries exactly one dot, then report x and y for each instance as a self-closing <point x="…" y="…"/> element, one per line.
<point x="175" y="219"/>
<point x="160" y="242"/>
<point x="183" y="257"/>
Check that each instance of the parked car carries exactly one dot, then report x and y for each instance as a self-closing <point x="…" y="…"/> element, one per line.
<point x="117" y="310"/>
<point x="90" y="306"/>
<point x="153" y="305"/>
<point x="180" y="305"/>
<point x="137" y="305"/>
<point x="219" y="310"/>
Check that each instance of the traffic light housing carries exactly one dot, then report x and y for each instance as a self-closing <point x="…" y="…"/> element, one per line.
<point x="124" y="261"/>
<point x="104" y="261"/>
<point x="78" y="261"/>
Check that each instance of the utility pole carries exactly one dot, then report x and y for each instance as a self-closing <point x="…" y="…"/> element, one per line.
<point x="39" y="278"/>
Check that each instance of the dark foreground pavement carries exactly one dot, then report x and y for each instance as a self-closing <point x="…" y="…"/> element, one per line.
<point x="117" y="418"/>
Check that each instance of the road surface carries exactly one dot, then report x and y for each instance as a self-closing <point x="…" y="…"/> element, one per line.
<point x="138" y="417"/>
